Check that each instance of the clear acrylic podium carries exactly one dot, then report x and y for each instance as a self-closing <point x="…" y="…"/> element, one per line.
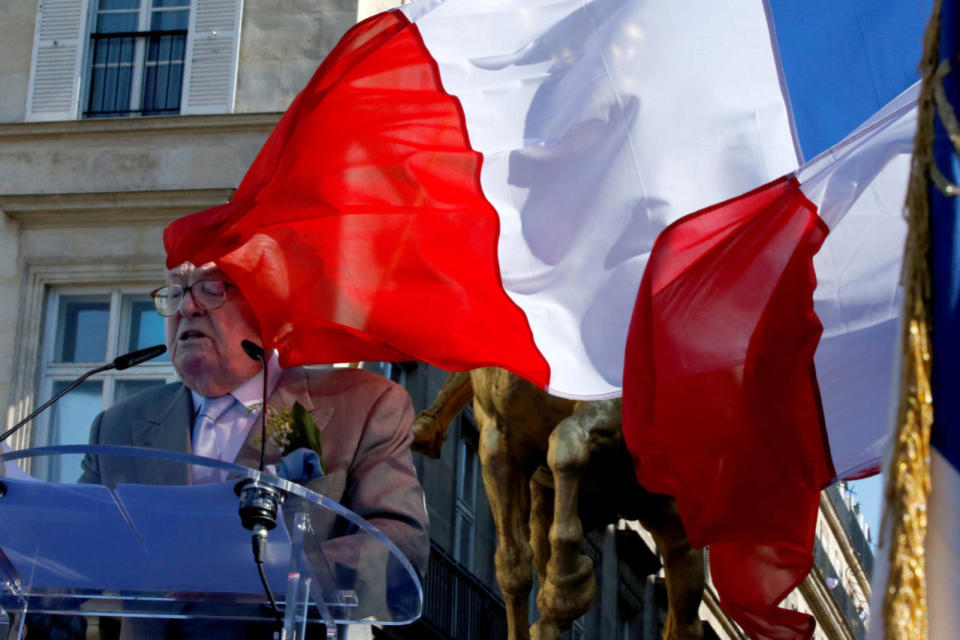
<point x="176" y="551"/>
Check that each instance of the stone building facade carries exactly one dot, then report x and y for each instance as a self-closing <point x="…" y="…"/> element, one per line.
<point x="118" y="116"/>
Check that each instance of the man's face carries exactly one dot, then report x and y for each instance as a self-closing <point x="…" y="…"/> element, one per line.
<point x="204" y="344"/>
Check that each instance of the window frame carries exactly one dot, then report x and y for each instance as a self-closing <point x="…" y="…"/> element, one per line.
<point x="465" y="511"/>
<point x="52" y="371"/>
<point x="39" y="277"/>
<point x="62" y="41"/>
<point x="135" y="101"/>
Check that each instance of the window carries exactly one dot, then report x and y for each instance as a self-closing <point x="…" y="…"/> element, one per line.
<point x="84" y="329"/>
<point x="576" y="629"/>
<point x="391" y="370"/>
<point x="137" y="54"/>
<point x="115" y="58"/>
<point x="465" y="507"/>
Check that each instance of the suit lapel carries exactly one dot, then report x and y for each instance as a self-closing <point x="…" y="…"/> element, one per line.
<point x="168" y="429"/>
<point x="292" y="387"/>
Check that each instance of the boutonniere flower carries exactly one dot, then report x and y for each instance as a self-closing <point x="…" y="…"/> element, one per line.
<point x="290" y="429"/>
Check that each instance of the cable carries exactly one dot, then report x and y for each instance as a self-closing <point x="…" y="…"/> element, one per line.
<point x="266" y="587"/>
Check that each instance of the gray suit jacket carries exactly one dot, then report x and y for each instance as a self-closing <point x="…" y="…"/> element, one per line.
<point x="365" y="423"/>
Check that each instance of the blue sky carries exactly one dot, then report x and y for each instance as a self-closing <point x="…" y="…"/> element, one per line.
<point x="869" y="492"/>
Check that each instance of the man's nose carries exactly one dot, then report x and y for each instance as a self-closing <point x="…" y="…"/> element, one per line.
<point x="189" y="306"/>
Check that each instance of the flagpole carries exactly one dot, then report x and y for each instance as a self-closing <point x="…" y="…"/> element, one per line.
<point x="908" y="475"/>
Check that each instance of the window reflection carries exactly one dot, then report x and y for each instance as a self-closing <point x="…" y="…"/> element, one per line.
<point x="84" y="321"/>
<point x="70" y="424"/>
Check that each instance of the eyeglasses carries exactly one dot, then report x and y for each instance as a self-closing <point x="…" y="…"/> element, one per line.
<point x="207" y="294"/>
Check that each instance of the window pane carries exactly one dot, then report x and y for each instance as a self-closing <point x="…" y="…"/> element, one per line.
<point x="464" y="528"/>
<point x="171" y="3"/>
<point x="173" y="87"/>
<point x="146" y="326"/>
<point x="164" y="20"/>
<point x="467" y="489"/>
<point x="119" y="4"/>
<point x="124" y="80"/>
<point x="179" y="44"/>
<point x="70" y="422"/>
<point x="96" y="87"/>
<point x="127" y="388"/>
<point x="82" y="328"/>
<point x="117" y="22"/>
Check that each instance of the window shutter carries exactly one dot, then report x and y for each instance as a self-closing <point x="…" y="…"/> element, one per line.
<point x="57" y="52"/>
<point x="211" y="58"/>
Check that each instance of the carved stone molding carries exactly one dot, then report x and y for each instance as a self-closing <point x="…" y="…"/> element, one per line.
<point x="829" y="617"/>
<point x="179" y="125"/>
<point x="48" y="210"/>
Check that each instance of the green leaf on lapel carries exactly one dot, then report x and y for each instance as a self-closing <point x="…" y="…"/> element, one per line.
<point x="291" y="429"/>
<point x="305" y="432"/>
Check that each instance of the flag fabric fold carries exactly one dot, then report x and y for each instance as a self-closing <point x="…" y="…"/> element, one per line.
<point x="474" y="184"/>
<point x="721" y="353"/>
<point x="342" y="225"/>
<point x="518" y="171"/>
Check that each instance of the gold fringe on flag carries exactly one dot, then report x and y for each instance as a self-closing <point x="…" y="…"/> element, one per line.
<point x="908" y="476"/>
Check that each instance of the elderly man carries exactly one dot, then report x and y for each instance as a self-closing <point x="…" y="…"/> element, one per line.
<point x="364" y="419"/>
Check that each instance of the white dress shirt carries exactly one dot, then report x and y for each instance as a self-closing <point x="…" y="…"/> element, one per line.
<point x="233" y="426"/>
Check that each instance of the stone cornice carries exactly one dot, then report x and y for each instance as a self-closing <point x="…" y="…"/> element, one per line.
<point x="50" y="210"/>
<point x="817" y="596"/>
<point x="153" y="125"/>
<point x="712" y="602"/>
<point x="832" y="519"/>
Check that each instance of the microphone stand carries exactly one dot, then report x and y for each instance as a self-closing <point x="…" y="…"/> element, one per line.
<point x="119" y="363"/>
<point x="259" y="502"/>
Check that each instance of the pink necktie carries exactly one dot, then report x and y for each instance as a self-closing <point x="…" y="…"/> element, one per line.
<point x="205" y="440"/>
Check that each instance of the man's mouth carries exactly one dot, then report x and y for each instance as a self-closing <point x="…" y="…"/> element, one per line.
<point x="191" y="333"/>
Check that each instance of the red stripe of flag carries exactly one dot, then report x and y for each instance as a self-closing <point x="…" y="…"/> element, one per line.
<point x="721" y="405"/>
<point x="361" y="226"/>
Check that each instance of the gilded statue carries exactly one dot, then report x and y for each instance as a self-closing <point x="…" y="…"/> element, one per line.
<point x="534" y="450"/>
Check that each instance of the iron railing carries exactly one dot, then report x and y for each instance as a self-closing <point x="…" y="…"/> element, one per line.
<point x="136" y="73"/>
<point x="850" y="609"/>
<point x="456" y="604"/>
<point x="851" y="525"/>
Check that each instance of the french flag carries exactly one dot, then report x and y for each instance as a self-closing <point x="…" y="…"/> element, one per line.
<point x="487" y="183"/>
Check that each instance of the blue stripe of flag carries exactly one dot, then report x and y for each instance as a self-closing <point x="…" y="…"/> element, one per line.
<point x="946" y="264"/>
<point x="845" y="59"/>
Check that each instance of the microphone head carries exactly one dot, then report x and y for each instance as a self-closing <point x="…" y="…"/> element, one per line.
<point x="133" y="358"/>
<point x="253" y="350"/>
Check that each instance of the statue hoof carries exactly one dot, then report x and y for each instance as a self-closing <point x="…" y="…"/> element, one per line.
<point x="427" y="439"/>
<point x="690" y="631"/>
<point x="565" y="598"/>
<point x="545" y="630"/>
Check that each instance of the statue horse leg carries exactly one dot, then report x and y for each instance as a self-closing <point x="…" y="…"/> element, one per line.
<point x="541" y="519"/>
<point x="570" y="588"/>
<point x="431" y="424"/>
<point x="508" y="491"/>
<point x="682" y="564"/>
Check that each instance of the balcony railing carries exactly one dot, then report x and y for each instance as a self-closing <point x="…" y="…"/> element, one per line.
<point x="854" y="532"/>
<point x="844" y="601"/>
<point x="456" y="604"/>
<point x="136" y="73"/>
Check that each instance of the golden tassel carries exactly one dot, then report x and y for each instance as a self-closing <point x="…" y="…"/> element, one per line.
<point x="908" y="476"/>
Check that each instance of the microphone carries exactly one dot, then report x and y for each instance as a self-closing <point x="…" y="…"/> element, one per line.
<point x="134" y="358"/>
<point x="254" y="350"/>
<point x="119" y="363"/>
